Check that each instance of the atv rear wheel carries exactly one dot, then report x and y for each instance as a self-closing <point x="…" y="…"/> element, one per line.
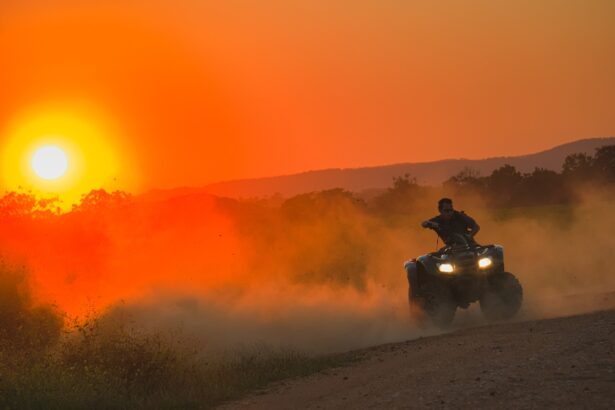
<point x="503" y="297"/>
<point x="436" y="301"/>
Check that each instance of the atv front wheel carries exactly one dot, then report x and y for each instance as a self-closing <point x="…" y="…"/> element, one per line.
<point x="436" y="301"/>
<point x="503" y="297"/>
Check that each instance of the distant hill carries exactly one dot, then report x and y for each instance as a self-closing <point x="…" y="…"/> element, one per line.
<point x="380" y="177"/>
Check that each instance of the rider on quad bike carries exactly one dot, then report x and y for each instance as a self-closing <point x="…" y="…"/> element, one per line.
<point x="461" y="273"/>
<point x="451" y="223"/>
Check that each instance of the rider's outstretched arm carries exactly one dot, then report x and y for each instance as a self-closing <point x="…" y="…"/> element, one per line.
<point x="429" y="224"/>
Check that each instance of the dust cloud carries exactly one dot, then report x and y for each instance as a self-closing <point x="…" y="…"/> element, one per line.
<point x="321" y="272"/>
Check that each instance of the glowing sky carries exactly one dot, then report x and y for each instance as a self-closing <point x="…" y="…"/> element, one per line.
<point x="202" y="91"/>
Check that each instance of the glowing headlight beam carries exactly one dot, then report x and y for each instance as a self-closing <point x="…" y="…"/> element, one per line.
<point x="446" y="268"/>
<point x="484" y="263"/>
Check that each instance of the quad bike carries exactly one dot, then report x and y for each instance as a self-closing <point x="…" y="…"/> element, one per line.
<point x="459" y="274"/>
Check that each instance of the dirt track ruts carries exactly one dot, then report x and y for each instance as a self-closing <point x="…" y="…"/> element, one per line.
<point x="553" y="363"/>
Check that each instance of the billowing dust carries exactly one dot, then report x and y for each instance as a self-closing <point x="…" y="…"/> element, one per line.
<point x="316" y="277"/>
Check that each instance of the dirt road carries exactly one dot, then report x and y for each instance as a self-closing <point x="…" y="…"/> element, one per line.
<point x="554" y="363"/>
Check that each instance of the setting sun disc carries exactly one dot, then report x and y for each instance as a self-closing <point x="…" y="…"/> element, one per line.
<point x="50" y="162"/>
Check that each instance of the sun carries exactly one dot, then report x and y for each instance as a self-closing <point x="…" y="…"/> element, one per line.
<point x="50" y="162"/>
<point x="65" y="153"/>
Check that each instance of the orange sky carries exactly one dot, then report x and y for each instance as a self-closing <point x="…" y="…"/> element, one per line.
<point x="214" y="90"/>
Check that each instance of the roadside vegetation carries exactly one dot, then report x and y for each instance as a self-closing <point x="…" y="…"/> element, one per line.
<point x="47" y="362"/>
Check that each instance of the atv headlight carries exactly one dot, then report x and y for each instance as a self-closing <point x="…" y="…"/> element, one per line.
<point x="484" y="263"/>
<point x="446" y="267"/>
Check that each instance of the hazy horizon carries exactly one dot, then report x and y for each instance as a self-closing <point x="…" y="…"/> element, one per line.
<point x="192" y="93"/>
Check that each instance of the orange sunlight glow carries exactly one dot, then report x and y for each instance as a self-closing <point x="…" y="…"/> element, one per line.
<point x="64" y="153"/>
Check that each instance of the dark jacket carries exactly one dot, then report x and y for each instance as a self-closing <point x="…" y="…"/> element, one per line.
<point x="459" y="223"/>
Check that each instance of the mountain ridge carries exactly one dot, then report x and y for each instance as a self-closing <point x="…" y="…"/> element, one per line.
<point x="380" y="176"/>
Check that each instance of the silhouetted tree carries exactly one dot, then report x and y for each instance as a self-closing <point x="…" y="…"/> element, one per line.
<point x="542" y="186"/>
<point x="503" y="186"/>
<point x="604" y="162"/>
<point x="98" y="200"/>
<point x="578" y="166"/>
<point x="401" y="197"/>
<point x="24" y="324"/>
<point x="26" y="204"/>
<point x="468" y="179"/>
<point x="504" y="178"/>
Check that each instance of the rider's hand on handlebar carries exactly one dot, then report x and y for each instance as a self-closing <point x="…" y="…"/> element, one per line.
<point x="429" y="224"/>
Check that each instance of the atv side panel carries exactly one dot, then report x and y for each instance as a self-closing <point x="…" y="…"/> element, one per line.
<point x="411" y="273"/>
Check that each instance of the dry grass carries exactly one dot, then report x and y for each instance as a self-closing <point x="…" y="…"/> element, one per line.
<point x="105" y="363"/>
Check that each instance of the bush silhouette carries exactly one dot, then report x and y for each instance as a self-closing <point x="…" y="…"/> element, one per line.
<point x="24" y="325"/>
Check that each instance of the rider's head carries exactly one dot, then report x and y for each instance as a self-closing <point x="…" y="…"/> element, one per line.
<point x="445" y="206"/>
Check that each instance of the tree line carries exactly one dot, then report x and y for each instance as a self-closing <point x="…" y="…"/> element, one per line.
<point x="506" y="186"/>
